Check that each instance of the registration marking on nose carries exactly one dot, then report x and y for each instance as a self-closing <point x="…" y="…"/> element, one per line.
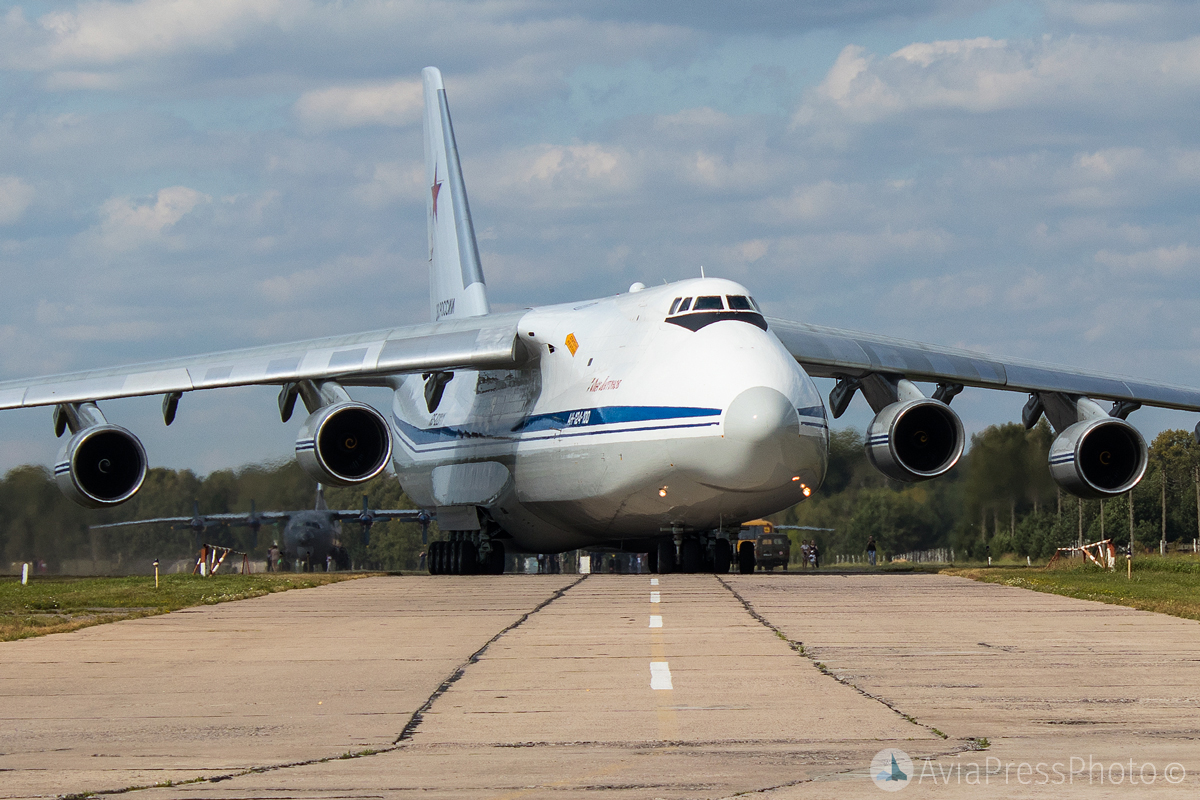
<point x="655" y="597"/>
<point x="655" y="621"/>
<point x="660" y="675"/>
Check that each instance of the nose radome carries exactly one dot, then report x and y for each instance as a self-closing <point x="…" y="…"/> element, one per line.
<point x="760" y="414"/>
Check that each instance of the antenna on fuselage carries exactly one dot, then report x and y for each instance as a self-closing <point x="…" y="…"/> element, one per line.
<point x="701" y="270"/>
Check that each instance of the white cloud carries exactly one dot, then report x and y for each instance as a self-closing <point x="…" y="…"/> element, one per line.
<point x="15" y="196"/>
<point x="397" y="103"/>
<point x="355" y="271"/>
<point x="393" y="180"/>
<point x="554" y="176"/>
<point x="1159" y="260"/>
<point x="109" y="32"/>
<point x="127" y="224"/>
<point x="988" y="75"/>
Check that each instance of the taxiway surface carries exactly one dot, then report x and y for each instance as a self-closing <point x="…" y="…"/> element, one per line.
<point x="555" y="686"/>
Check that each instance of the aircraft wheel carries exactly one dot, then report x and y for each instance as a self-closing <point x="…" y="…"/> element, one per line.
<point x="455" y="560"/>
<point x="495" y="564"/>
<point x="468" y="558"/>
<point x="722" y="556"/>
<point x="433" y="555"/>
<point x="666" y="557"/>
<point x="746" y="558"/>
<point x="692" y="556"/>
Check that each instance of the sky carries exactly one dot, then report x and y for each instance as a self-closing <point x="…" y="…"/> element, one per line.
<point x="180" y="176"/>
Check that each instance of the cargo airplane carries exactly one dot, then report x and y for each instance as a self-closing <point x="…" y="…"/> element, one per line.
<point x="655" y="421"/>
<point x="308" y="536"/>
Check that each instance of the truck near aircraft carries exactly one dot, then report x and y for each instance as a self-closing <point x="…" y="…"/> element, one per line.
<point x="762" y="544"/>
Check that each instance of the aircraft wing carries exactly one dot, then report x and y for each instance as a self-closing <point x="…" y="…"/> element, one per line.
<point x="155" y="521"/>
<point x="404" y="515"/>
<point x="269" y="517"/>
<point x="487" y="342"/>
<point x="835" y="353"/>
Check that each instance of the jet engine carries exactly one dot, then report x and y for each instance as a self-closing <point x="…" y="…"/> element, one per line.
<point x="1098" y="457"/>
<point x="344" y="444"/>
<point x="915" y="440"/>
<point x="101" y="466"/>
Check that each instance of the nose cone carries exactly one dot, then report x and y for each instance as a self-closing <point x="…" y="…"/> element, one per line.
<point x="761" y="447"/>
<point x="759" y="416"/>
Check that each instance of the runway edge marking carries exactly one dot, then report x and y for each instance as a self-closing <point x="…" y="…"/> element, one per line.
<point x="415" y="721"/>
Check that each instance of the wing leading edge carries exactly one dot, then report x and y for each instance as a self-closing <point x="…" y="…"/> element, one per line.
<point x="358" y="359"/>
<point x="835" y="353"/>
<point x="272" y="517"/>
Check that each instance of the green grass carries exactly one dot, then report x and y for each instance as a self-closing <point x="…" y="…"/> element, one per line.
<point x="57" y="605"/>
<point x="1168" y="585"/>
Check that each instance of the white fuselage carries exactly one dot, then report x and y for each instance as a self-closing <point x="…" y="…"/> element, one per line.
<point x="622" y="425"/>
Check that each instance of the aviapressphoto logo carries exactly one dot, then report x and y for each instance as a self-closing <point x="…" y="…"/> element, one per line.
<point x="892" y="770"/>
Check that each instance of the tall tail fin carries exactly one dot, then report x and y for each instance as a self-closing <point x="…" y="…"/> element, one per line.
<point x="456" y="287"/>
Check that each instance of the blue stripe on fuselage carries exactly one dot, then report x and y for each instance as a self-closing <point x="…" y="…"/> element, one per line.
<point x="588" y="421"/>
<point x="609" y="415"/>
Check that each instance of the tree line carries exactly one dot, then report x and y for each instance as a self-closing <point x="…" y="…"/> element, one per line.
<point x="998" y="500"/>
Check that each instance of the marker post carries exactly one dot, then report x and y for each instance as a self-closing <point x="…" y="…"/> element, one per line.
<point x="156" y="573"/>
<point x="25" y="573"/>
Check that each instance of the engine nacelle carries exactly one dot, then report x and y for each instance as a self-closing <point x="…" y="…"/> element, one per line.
<point x="1099" y="457"/>
<point x="101" y="466"/>
<point x="915" y="440"/>
<point x="344" y="444"/>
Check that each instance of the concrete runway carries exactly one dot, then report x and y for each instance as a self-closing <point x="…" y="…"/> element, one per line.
<point x="777" y="686"/>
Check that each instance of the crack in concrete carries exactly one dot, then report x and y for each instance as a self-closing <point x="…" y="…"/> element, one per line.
<point x="413" y="722"/>
<point x="798" y="648"/>
<point x="833" y="776"/>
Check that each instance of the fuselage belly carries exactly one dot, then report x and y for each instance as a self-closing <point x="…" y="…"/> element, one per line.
<point x="629" y="420"/>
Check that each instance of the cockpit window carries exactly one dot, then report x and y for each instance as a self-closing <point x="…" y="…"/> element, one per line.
<point x="754" y="303"/>
<point x="738" y="302"/>
<point x="708" y="304"/>
<point x="674" y="306"/>
<point x="685" y="305"/>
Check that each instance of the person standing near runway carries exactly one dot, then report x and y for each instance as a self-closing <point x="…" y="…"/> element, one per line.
<point x="871" y="551"/>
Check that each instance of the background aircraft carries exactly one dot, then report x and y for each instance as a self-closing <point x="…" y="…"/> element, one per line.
<point x="651" y="421"/>
<point x="308" y="535"/>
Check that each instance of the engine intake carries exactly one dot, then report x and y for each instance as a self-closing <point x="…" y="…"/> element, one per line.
<point x="1098" y="458"/>
<point x="915" y="440"/>
<point x="101" y="466"/>
<point x="344" y="444"/>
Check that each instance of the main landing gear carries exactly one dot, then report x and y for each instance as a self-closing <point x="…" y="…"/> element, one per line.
<point x="692" y="554"/>
<point x="466" y="553"/>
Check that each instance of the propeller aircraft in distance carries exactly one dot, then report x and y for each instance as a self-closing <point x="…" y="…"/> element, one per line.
<point x="309" y="535"/>
<point x="654" y="421"/>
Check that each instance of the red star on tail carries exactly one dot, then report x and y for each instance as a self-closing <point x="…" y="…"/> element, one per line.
<point x="437" y="187"/>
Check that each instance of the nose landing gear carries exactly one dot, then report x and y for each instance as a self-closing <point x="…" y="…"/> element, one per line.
<point x="692" y="553"/>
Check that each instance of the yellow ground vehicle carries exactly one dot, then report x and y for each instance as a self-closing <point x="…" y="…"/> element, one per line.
<point x="761" y="544"/>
